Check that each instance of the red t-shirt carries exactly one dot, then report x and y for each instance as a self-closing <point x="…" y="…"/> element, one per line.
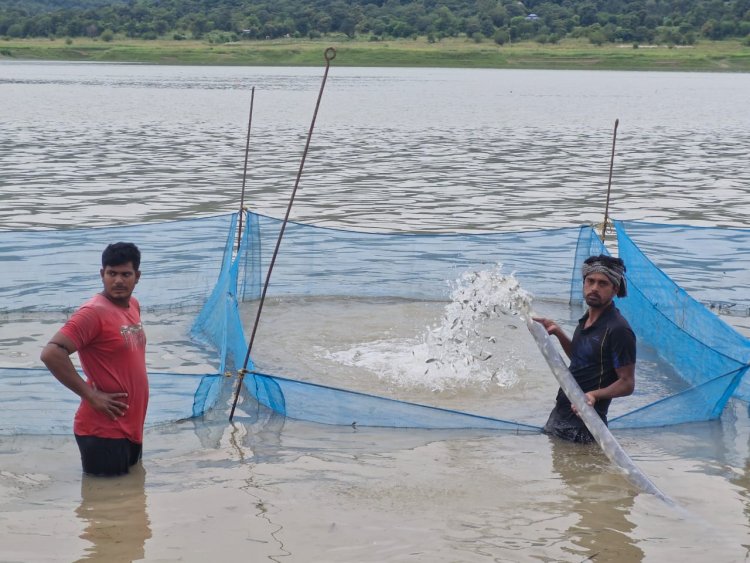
<point x="111" y="345"/>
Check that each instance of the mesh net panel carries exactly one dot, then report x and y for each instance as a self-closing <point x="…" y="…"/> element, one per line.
<point x="711" y="263"/>
<point x="51" y="273"/>
<point x="58" y="270"/>
<point x="708" y="355"/>
<point x="193" y="268"/>
<point x="324" y="261"/>
<point x="330" y="262"/>
<point x="329" y="405"/>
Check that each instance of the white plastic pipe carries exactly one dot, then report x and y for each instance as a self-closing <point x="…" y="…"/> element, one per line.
<point x="590" y="417"/>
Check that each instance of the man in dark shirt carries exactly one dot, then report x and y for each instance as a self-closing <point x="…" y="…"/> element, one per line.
<point x="602" y="352"/>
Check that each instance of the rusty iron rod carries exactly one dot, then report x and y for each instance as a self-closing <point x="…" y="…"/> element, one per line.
<point x="609" y="185"/>
<point x="329" y="55"/>
<point x="244" y="170"/>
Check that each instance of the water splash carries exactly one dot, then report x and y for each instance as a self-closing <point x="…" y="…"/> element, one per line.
<point x="474" y="345"/>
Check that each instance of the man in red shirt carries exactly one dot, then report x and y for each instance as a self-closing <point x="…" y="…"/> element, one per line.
<point x="107" y="333"/>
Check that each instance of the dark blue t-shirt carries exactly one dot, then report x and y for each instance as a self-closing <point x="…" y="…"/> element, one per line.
<point x="596" y="352"/>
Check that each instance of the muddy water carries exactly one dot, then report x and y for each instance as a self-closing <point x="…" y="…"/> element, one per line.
<point x="403" y="149"/>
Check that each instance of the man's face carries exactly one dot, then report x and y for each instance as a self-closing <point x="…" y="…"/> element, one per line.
<point x="119" y="282"/>
<point x="598" y="291"/>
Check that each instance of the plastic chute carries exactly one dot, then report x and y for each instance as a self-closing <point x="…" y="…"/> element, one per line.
<point x="591" y="418"/>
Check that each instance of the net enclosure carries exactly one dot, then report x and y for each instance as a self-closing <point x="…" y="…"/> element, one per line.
<point x="199" y="274"/>
<point x="683" y="313"/>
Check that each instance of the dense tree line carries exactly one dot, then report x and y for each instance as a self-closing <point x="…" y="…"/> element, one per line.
<point x="600" y="21"/>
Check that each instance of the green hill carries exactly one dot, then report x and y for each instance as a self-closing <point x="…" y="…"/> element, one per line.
<point x="669" y="22"/>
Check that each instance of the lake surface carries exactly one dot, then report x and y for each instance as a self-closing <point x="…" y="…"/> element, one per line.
<point x="405" y="149"/>
<point x="414" y="150"/>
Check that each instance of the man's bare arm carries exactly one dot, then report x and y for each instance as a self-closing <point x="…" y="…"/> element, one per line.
<point x="56" y="356"/>
<point x="554" y="329"/>
<point x="624" y="386"/>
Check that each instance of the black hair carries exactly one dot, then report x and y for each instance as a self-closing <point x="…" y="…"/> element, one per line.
<point x="119" y="253"/>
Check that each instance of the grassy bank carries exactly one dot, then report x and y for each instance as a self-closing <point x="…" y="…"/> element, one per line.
<point x="726" y="56"/>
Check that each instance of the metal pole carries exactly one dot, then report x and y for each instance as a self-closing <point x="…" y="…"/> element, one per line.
<point x="329" y="55"/>
<point x="244" y="170"/>
<point x="609" y="185"/>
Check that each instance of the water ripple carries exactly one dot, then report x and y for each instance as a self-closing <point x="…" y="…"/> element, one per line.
<point x="429" y="150"/>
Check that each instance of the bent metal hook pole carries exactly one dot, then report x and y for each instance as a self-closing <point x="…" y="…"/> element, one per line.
<point x="329" y="55"/>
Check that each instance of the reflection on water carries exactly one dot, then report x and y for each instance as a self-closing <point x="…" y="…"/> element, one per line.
<point x="113" y="511"/>
<point x="601" y="502"/>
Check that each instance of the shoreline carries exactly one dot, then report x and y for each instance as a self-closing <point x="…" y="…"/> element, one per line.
<point x="722" y="56"/>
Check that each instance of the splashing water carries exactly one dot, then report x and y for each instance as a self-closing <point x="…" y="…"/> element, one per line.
<point x="473" y="345"/>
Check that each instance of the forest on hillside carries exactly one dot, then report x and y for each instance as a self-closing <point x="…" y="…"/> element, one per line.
<point x="673" y="22"/>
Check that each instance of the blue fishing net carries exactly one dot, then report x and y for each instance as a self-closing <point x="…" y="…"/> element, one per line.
<point x="712" y="264"/>
<point x="45" y="275"/>
<point x="326" y="262"/>
<point x="57" y="270"/>
<point x="197" y="270"/>
<point x="711" y="356"/>
<point x="696" y="382"/>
